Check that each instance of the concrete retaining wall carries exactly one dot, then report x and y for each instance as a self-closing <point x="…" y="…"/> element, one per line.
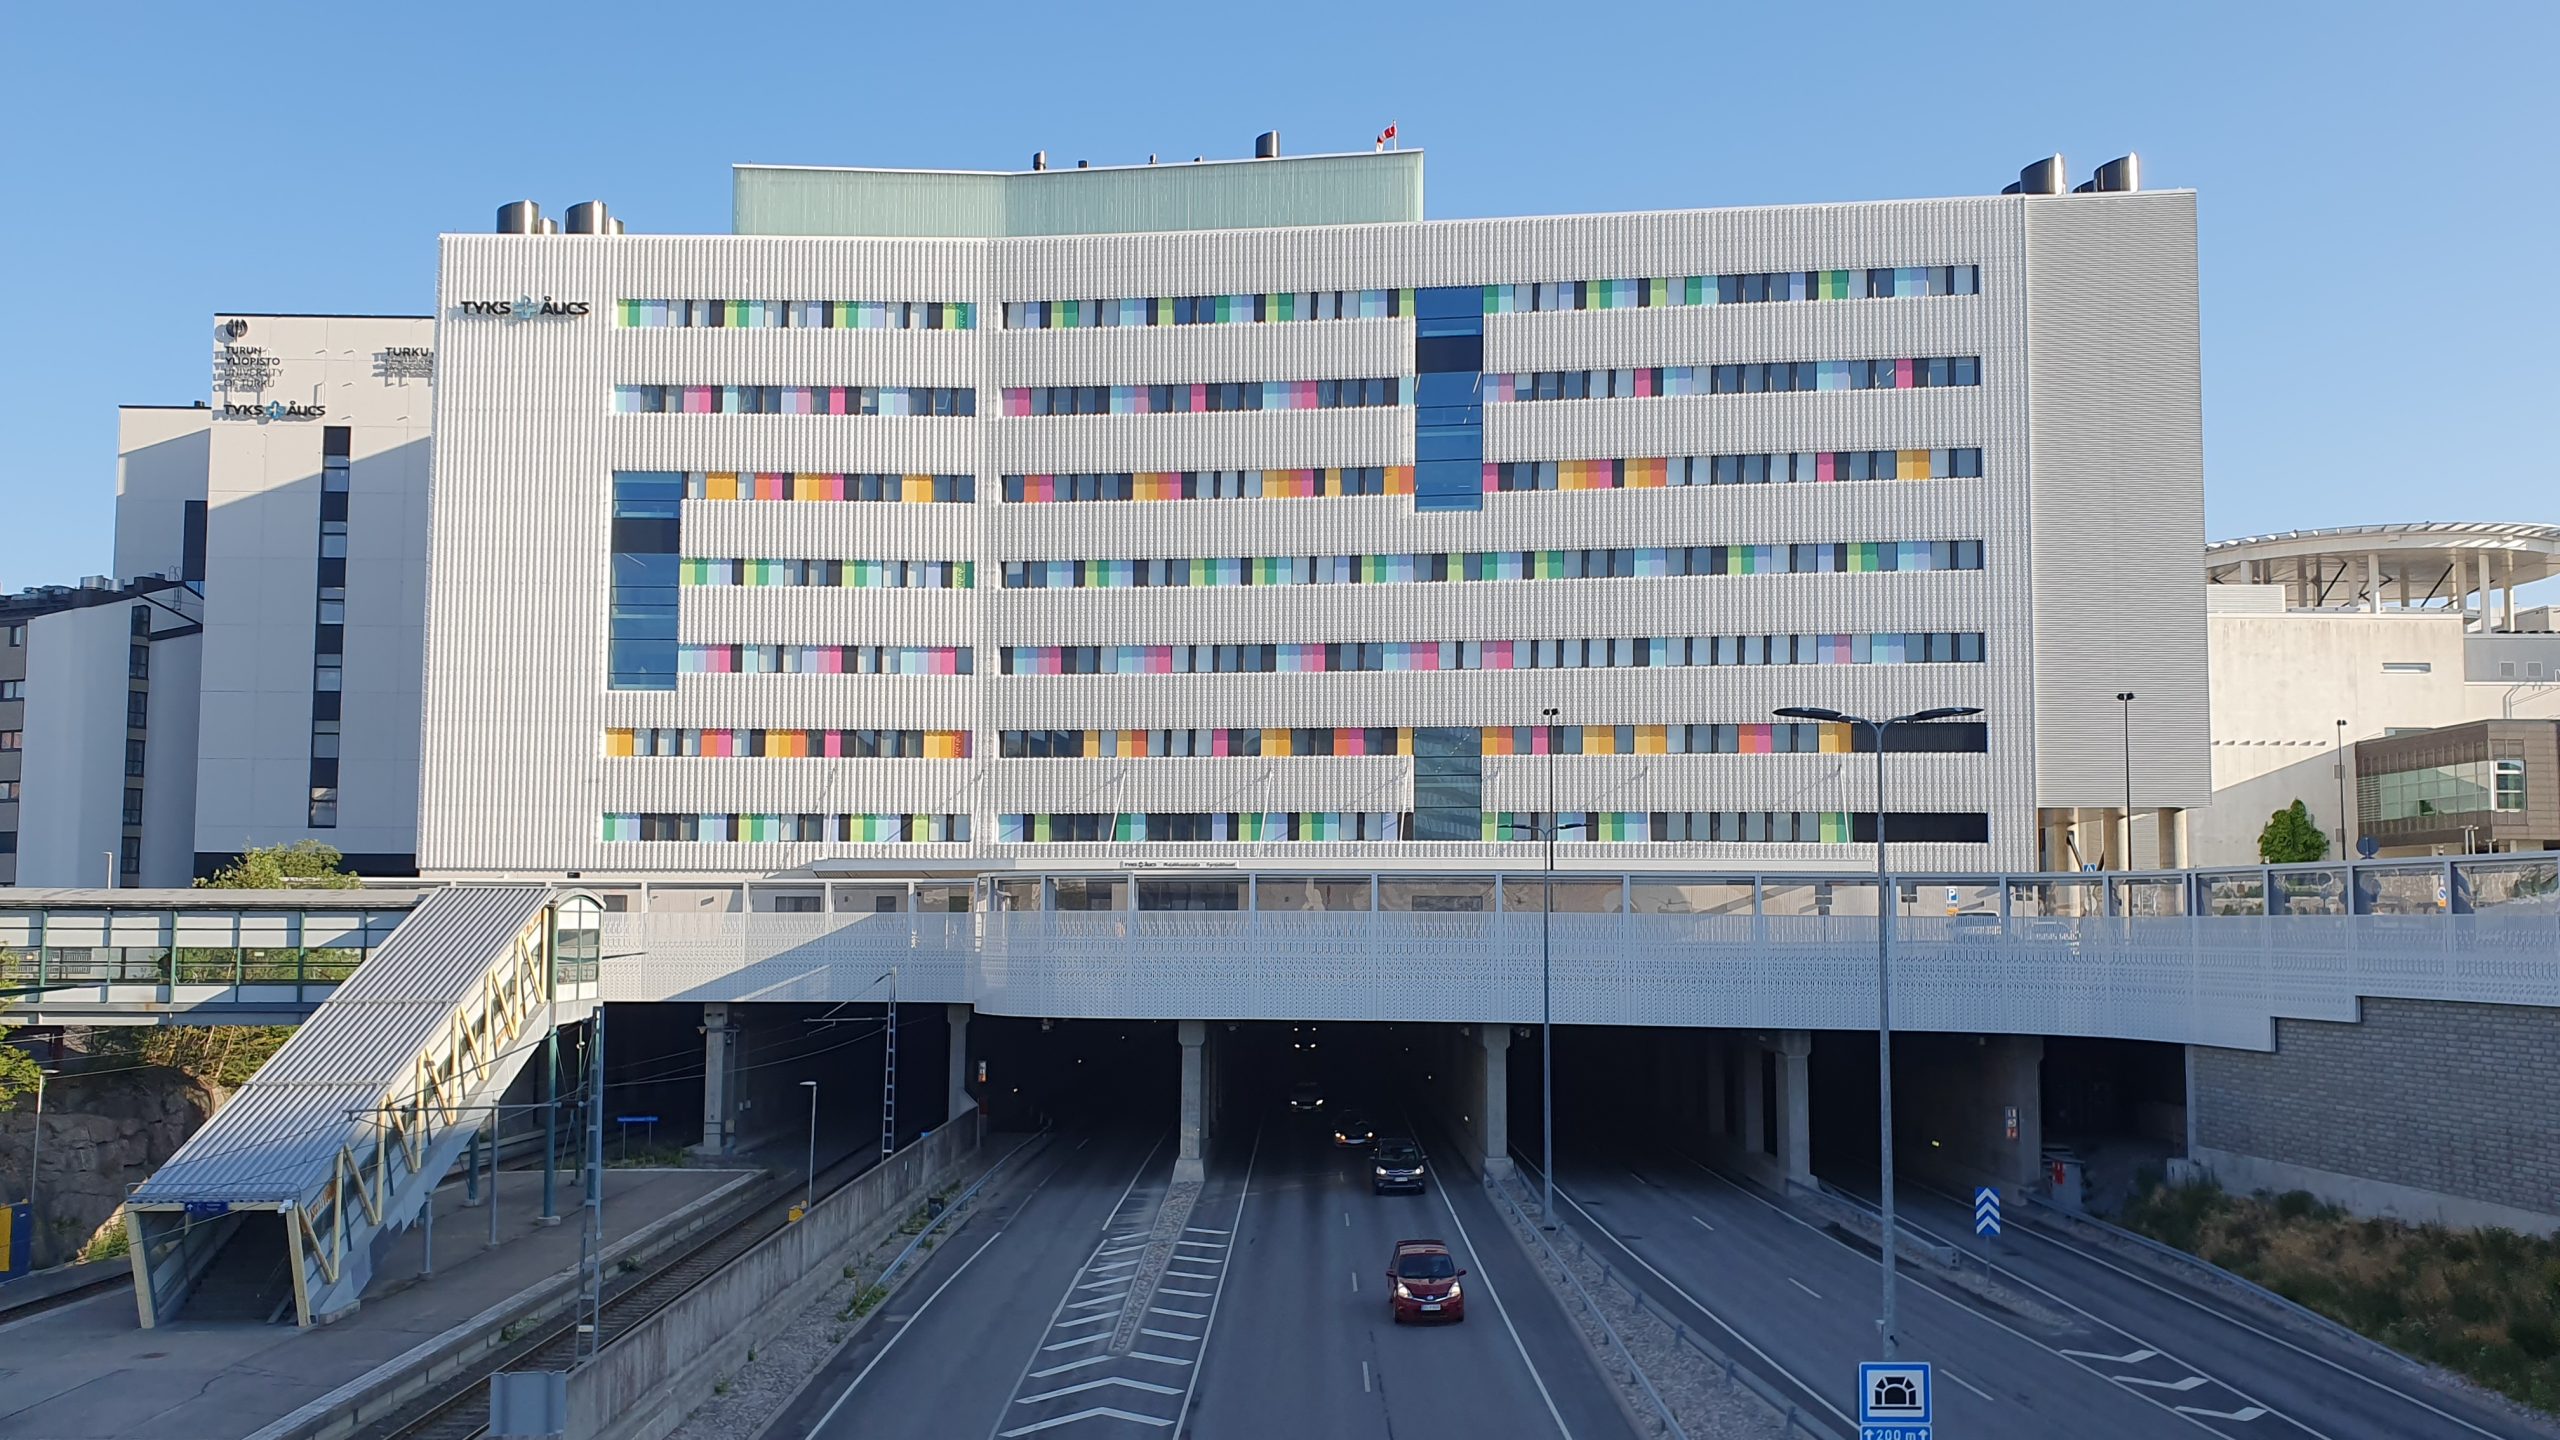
<point x="2426" y="1110"/>
<point x="647" y="1381"/>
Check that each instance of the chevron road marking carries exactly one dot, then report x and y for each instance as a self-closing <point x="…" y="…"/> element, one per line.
<point x="1148" y="1386"/>
<point x="1098" y="1412"/>
<point x="2136" y="1358"/>
<point x="2245" y="1412"/>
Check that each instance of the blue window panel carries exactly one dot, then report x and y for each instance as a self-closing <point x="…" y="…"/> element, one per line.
<point x="1450" y="302"/>
<point x="642" y="665"/>
<point x="650" y="570"/>
<point x="1454" y="443"/>
<point x="1448" y="485"/>
<point x="1457" y="387"/>
<point x="1453" y="351"/>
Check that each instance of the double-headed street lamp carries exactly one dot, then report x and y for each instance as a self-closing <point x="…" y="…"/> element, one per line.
<point x="809" y="1192"/>
<point x="1546" y="830"/>
<point x="1884" y="973"/>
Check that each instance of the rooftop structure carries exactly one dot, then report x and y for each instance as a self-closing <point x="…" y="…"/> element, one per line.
<point x="2474" y="566"/>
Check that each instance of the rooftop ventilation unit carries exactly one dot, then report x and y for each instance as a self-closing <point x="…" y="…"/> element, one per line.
<point x="519" y="217"/>
<point x="1266" y="146"/>
<point x="1039" y="159"/>
<point x="589" y="217"/>
<point x="2045" y="177"/>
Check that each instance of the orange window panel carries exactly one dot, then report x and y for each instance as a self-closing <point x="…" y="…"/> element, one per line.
<point x="617" y="742"/>
<point x="720" y="485"/>
<point x="1650" y="740"/>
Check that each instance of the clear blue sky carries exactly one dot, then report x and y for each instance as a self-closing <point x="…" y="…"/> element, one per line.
<point x="2377" y="195"/>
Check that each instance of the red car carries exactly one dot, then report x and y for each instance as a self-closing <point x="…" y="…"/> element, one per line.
<point x="1422" y="1283"/>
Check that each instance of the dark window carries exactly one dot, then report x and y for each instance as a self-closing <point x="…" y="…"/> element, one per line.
<point x="137" y="709"/>
<point x="191" y="542"/>
<point x="133" y="807"/>
<point x="1920" y="827"/>
<point x="133" y="750"/>
<point x="129" y="859"/>
<point x="337" y="440"/>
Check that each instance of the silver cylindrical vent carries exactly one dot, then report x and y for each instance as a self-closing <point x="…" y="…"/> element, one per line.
<point x="2123" y="173"/>
<point x="1039" y="159"/>
<point x="1266" y="146"/>
<point x="588" y="217"/>
<point x="550" y="226"/>
<point x="2045" y="177"/>
<point x="617" y="225"/>
<point x="519" y="217"/>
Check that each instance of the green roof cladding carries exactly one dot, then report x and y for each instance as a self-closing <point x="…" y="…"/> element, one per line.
<point x="1220" y="195"/>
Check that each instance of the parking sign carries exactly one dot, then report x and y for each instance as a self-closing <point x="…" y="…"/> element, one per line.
<point x="1893" y="1400"/>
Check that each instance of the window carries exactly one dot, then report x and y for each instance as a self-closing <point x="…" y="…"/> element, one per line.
<point x="137" y="709"/>
<point x="132" y="806"/>
<point x="2509" y="785"/>
<point x="12" y="739"/>
<point x="129" y="856"/>
<point x="138" y="663"/>
<point x="2406" y="667"/>
<point x="1856" y="556"/>
<point x="1144" y="311"/>
<point x="2506" y="669"/>
<point x="1648" y="652"/>
<point x="1756" y="377"/>
<point x="8" y="842"/>
<point x="1183" y="399"/>
<point x="133" y="754"/>
<point x="794" y="400"/>
<point x="17" y="636"/>
<point x="796" y="314"/>
<point x="795" y="904"/>
<point x="8" y="790"/>
<point x="324" y="807"/>
<point x="13" y="689"/>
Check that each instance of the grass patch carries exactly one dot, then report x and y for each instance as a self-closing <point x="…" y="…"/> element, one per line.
<point x="108" y="1243"/>
<point x="2482" y="1303"/>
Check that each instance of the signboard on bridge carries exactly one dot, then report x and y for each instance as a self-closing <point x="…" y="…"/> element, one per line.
<point x="1986" y="1211"/>
<point x="1893" y="1400"/>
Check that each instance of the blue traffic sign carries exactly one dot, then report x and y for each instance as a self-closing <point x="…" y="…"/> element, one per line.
<point x="636" y="1119"/>
<point x="1986" y="1211"/>
<point x="1893" y="1400"/>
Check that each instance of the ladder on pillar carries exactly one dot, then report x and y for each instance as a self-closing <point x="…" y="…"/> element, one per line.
<point x="889" y="1075"/>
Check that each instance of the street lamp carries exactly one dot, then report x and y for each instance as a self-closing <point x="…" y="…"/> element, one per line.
<point x="1546" y="830"/>
<point x="2126" y="698"/>
<point x="1884" y="972"/>
<point x="2341" y="755"/>
<point x="809" y="1194"/>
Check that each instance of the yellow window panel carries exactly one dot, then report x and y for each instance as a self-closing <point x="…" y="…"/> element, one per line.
<point x="617" y="742"/>
<point x="1650" y="740"/>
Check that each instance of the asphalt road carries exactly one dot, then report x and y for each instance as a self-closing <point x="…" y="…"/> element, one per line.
<point x="1257" y="1329"/>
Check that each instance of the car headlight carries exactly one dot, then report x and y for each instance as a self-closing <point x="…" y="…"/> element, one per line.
<point x="1401" y="1292"/>
<point x="1381" y="1172"/>
<point x="1454" y="1289"/>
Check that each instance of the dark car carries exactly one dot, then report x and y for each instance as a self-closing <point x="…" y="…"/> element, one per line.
<point x="1396" y="1164"/>
<point x="1352" y="1132"/>
<point x="1306" y="1097"/>
<point x="1422" y="1283"/>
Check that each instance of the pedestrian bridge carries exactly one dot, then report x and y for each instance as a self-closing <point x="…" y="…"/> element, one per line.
<point x="2209" y="957"/>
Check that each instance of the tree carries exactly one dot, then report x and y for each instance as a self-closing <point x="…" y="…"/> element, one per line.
<point x="302" y="864"/>
<point x="2290" y="837"/>
<point x="17" y="1071"/>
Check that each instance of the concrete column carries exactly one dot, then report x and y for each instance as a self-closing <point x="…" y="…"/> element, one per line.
<point x="2017" y="1077"/>
<point x="719" y="1077"/>
<point x="957" y="1100"/>
<point x="1795" y="1107"/>
<point x="1755" y="1133"/>
<point x="2484" y="590"/>
<point x="1496" y="1129"/>
<point x="2373" y="582"/>
<point x="1186" y="1163"/>
<point x="1717" y="1053"/>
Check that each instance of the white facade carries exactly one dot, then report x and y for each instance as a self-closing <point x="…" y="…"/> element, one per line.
<point x="2283" y="679"/>
<point x="2086" y="509"/>
<point x="107" y="767"/>
<point x="252" y="469"/>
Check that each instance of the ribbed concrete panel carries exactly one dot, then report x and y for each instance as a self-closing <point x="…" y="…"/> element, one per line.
<point x="1724" y="334"/>
<point x="1742" y="424"/>
<point x="904" y="702"/>
<point x="888" y="444"/>
<point x="820" y="615"/>
<point x="758" y="786"/>
<point x="833" y="530"/>
<point x="1251" y="440"/>
<point x="2118" y="450"/>
<point x="1164" y="354"/>
<point x="1204" y="786"/>
<point x="798" y="357"/>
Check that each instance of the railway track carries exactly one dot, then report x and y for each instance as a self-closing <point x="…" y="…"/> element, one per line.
<point x="459" y="1408"/>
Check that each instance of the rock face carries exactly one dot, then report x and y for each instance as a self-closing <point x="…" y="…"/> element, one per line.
<point x="102" y="1135"/>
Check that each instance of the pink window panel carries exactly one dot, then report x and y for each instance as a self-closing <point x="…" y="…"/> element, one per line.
<point x="1017" y="402"/>
<point x="1901" y="374"/>
<point x="1646" y="382"/>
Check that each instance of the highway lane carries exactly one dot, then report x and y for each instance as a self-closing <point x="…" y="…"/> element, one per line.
<point x="943" y="1360"/>
<point x="1305" y="1345"/>
<point x="1796" y="1302"/>
<point x="2328" y="1386"/>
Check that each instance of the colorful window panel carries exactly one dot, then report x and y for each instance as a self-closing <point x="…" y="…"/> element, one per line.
<point x="829" y="485"/>
<point x="1231" y="395"/>
<point x="1916" y="647"/>
<point x="1188" y="828"/>
<point x="1753" y="738"/>
<point x="1641" y="827"/>
<point x="1876" y="283"/>
<point x="646" y="741"/>
<point x="1209" y="485"/>
<point x="835" y="574"/>
<point x="1801" y="467"/>
<point x="1753" y="378"/>
<point x="797" y="315"/>
<point x="1207" y="309"/>
<point x="793" y="400"/>
<point x="823" y="660"/>
<point x="843" y="829"/>
<point x="1640" y="562"/>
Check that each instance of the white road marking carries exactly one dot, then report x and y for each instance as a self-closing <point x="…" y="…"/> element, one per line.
<point x="865" y="1373"/>
<point x="1187" y="1275"/>
<point x="1098" y="1318"/>
<point x="1203" y="1244"/>
<point x="1109" y="1280"/>
<point x="1205" y="1230"/>
<point x="1209" y="1325"/>
<point x="1168" y="1334"/>
<point x="2245" y="1412"/>
<point x="1114" y="1265"/>
<point x="1070" y="1365"/>
<point x="1346" y="1219"/>
<point x="1504" y="1311"/>
<point x="1809" y="1290"/>
<point x="1105" y="1300"/>
<point x="2136" y="1358"/>
<point x="1080" y="1340"/>
<point x="1355" y="1287"/>
<point x="2181" y="1386"/>
<point x="1148" y="1386"/>
<point x="1159" y="1359"/>
<point x="1177" y="1314"/>
<point x="1704" y="1225"/>
<point x="1097" y="1412"/>
<point x="1364" y="1377"/>
<point x="1194" y="1294"/>
<point x="1969" y="1385"/>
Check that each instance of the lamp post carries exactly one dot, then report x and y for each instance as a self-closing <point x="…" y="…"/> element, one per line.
<point x="1547" y="993"/>
<point x="2341" y="750"/>
<point x="1884" y="983"/>
<point x="2125" y="697"/>
<point x="809" y="1192"/>
<point x="35" y="1155"/>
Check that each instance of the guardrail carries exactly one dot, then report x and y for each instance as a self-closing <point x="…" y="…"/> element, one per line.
<point x="1591" y="1307"/>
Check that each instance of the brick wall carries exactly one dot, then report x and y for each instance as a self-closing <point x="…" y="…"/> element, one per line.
<point x="2462" y="1100"/>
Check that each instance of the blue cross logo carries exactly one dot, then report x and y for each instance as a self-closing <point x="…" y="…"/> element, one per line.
<point x="525" y="308"/>
<point x="275" y="410"/>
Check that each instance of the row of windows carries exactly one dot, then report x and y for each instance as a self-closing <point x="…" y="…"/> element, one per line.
<point x="1372" y="392"/>
<point x="329" y="626"/>
<point x="797" y="315"/>
<point x="1778" y="827"/>
<point x="853" y="829"/>
<point x="794" y="400"/>
<point x="822" y="485"/>
<point x="1209" y="484"/>
<point x="1676" y="651"/>
<point x="13" y="689"/>
<point x="1879" y="283"/>
<point x="842" y="574"/>
<point x="1854" y="557"/>
<point x="2468" y="787"/>
<point x="1800" y="467"/>
<point x="823" y="660"/>
<point x="1136" y="311"/>
<point x="1761" y="738"/>
<point x="1751" y="378"/>
<point x="791" y="744"/>
<point x="648" y="511"/>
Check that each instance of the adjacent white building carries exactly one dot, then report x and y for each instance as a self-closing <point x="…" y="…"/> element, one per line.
<point x="846" y="540"/>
